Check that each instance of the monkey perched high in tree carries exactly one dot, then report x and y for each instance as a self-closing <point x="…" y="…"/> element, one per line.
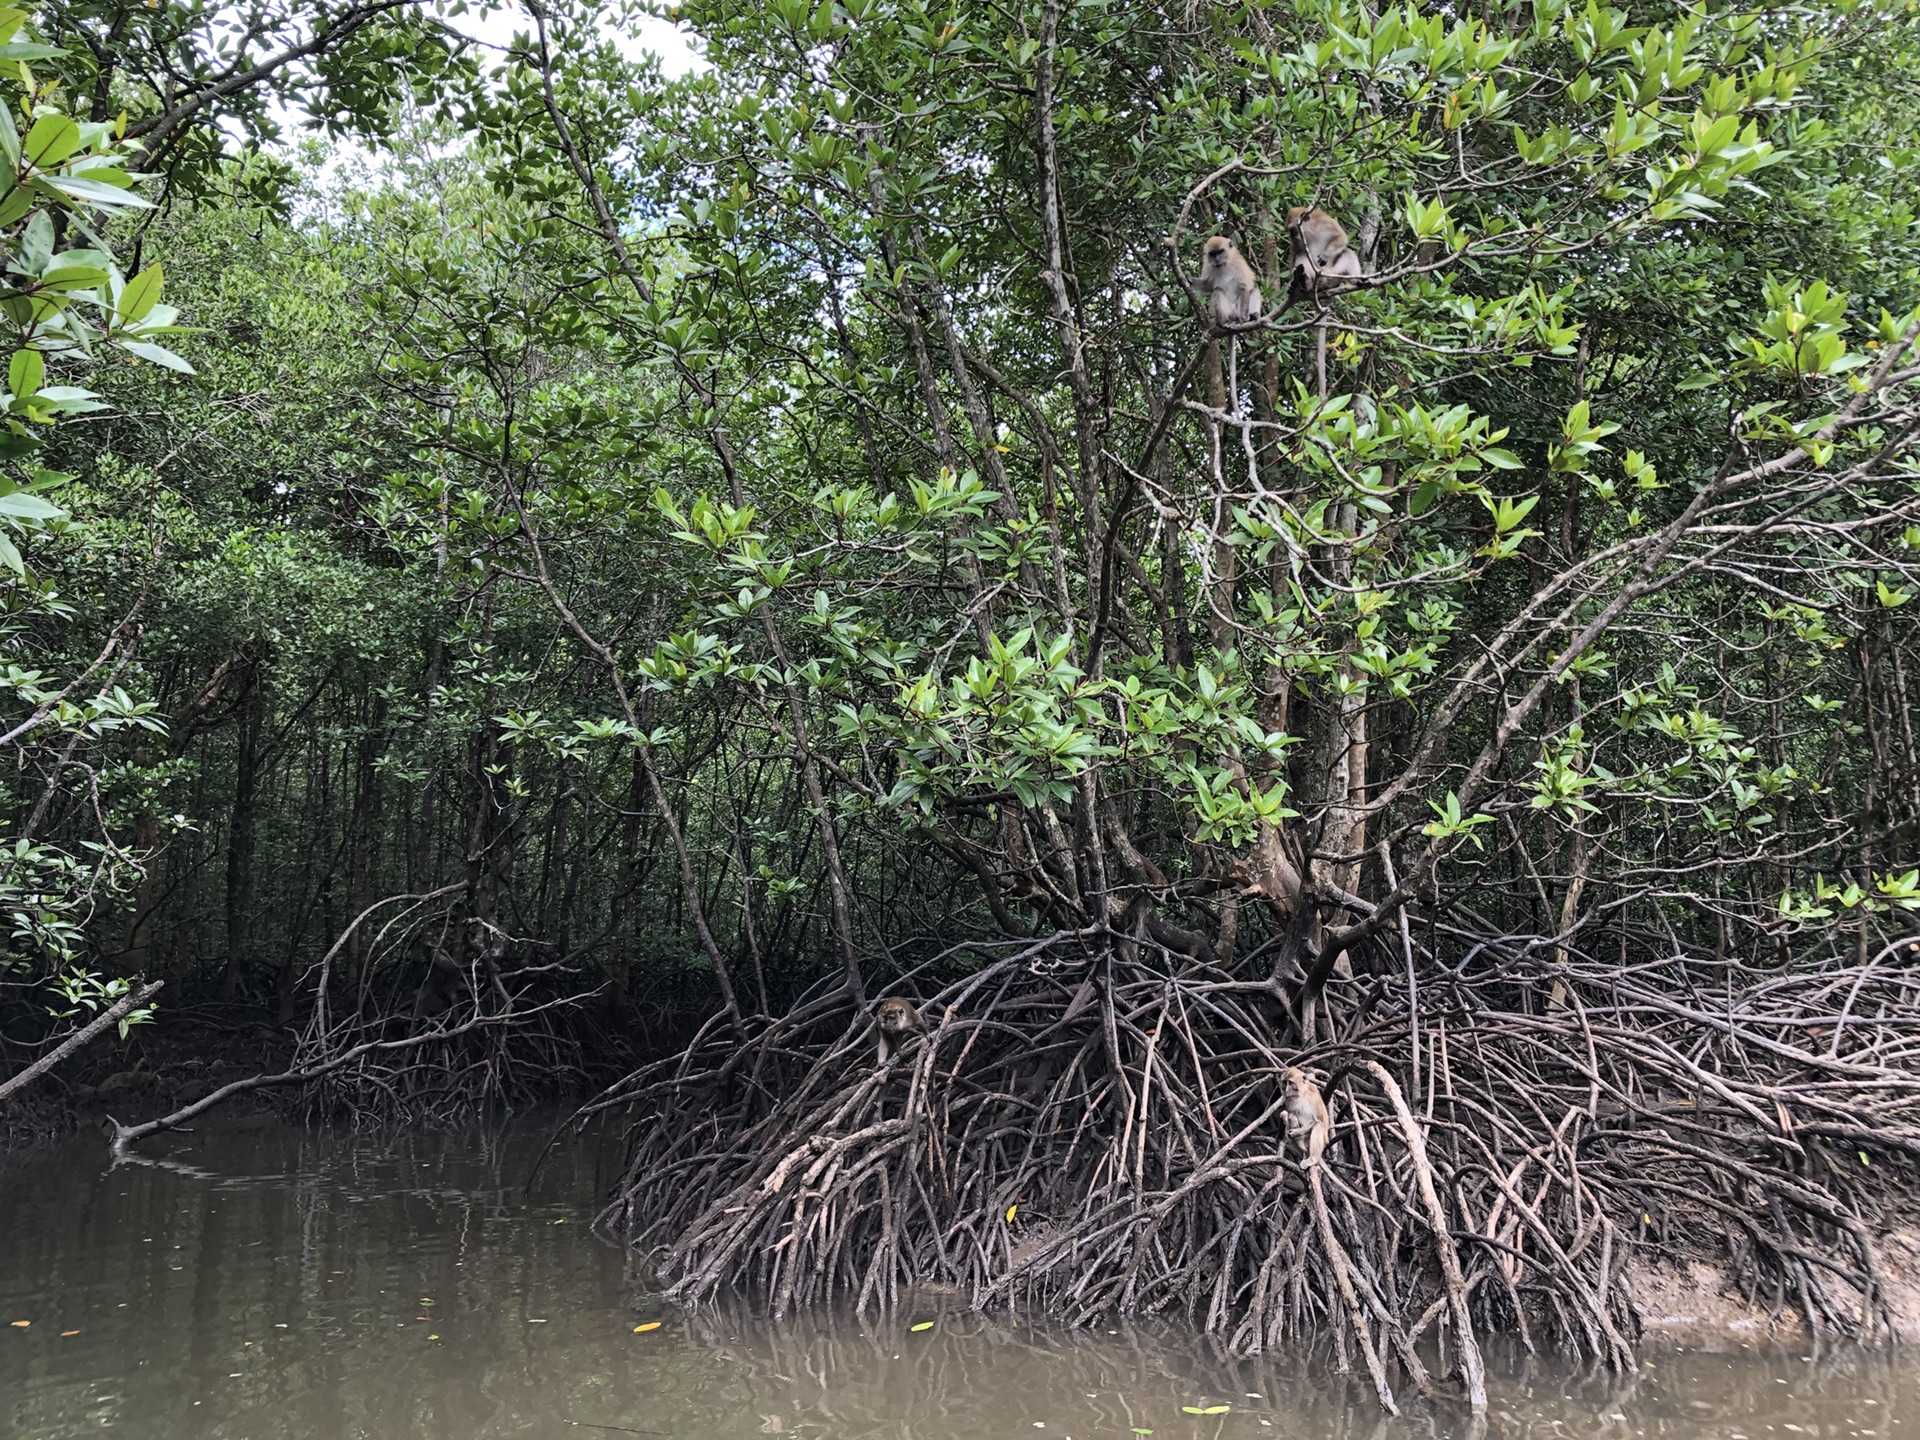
<point x="1233" y="295"/>
<point x="1322" y="259"/>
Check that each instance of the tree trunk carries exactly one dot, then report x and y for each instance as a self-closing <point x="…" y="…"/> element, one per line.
<point x="240" y="836"/>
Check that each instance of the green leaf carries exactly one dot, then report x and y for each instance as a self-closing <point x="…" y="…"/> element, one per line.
<point x="25" y="372"/>
<point x="94" y="192"/>
<point x="923" y="1325"/>
<point x="10" y="556"/>
<point x="158" y="354"/>
<point x="139" y="297"/>
<point x="30" y="507"/>
<point x="52" y="139"/>
<point x="73" y="277"/>
<point x="36" y="241"/>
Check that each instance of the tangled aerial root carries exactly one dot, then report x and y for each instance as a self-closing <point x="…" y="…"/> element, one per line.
<point x="1098" y="1130"/>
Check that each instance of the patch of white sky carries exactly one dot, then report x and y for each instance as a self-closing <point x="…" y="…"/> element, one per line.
<point x="492" y="28"/>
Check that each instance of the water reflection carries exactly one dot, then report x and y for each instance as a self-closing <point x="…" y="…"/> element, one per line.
<point x="273" y="1282"/>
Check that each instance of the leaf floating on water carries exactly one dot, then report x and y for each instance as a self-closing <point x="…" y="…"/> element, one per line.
<point x="65" y="1333"/>
<point x="1208" y="1410"/>
<point x="650" y="1325"/>
<point x="1012" y="1210"/>
<point x="923" y="1325"/>
<point x="21" y="1324"/>
<point x="1138" y="1431"/>
<point x="433" y="1337"/>
<point x="425" y="1301"/>
<point x="559" y="1222"/>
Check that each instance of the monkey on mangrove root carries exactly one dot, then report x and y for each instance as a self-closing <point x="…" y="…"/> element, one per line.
<point x="895" y="1018"/>
<point x="1307" y="1123"/>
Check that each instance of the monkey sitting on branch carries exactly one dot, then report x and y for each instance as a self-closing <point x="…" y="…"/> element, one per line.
<point x="895" y="1018"/>
<point x="1233" y="299"/>
<point x="1322" y="256"/>
<point x="1228" y="282"/>
<point x="1322" y="261"/>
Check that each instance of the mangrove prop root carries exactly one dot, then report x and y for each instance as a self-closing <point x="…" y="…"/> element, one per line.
<point x="1555" y="1119"/>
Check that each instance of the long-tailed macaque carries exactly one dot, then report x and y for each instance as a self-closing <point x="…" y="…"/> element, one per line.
<point x="895" y="1017"/>
<point x="1232" y="292"/>
<point x="1233" y="295"/>
<point x="1320" y="250"/>
<point x="1307" y="1123"/>
<point x="1322" y="259"/>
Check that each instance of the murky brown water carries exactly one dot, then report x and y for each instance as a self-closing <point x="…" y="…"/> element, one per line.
<point x="291" y="1285"/>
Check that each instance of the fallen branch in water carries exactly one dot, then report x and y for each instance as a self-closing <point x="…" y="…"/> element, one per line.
<point x="125" y="1135"/>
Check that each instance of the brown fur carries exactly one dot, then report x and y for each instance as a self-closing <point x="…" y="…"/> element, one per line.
<point x="1307" y="1122"/>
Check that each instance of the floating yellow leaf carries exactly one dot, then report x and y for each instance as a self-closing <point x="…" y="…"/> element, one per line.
<point x="1209" y="1410"/>
<point x="650" y="1325"/>
<point x="923" y="1325"/>
<point x="65" y="1333"/>
<point x="1012" y="1210"/>
<point x="21" y="1324"/>
<point x="433" y="1337"/>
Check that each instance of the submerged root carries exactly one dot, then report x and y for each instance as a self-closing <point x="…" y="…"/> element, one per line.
<point x="1122" y="1149"/>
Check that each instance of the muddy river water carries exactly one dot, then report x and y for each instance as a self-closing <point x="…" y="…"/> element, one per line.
<point x="273" y="1283"/>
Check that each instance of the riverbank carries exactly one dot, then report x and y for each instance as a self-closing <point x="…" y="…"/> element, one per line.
<point x="316" y="1285"/>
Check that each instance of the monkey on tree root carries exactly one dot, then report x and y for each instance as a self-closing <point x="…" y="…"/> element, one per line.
<point x="895" y="1018"/>
<point x="1233" y="299"/>
<point x="1307" y="1122"/>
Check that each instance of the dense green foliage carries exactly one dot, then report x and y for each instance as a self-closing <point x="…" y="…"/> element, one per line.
<point x="782" y="520"/>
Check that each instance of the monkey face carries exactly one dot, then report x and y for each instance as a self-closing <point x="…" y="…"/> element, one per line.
<point x="1218" y="252"/>
<point x="896" y="1016"/>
